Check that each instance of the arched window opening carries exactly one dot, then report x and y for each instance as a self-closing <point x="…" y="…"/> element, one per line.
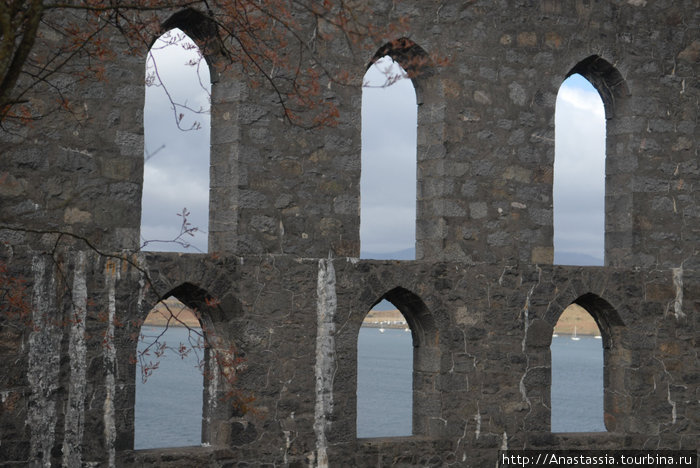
<point x="579" y="174"/>
<point x="407" y="347"/>
<point x="577" y="390"/>
<point x="384" y="374"/>
<point x="169" y="378"/>
<point x="388" y="180"/>
<point x="175" y="200"/>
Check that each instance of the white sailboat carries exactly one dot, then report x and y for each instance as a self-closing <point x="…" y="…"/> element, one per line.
<point x="574" y="336"/>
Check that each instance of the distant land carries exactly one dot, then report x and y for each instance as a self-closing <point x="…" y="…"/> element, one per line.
<point x="405" y="254"/>
<point x="384" y="319"/>
<point x="174" y="310"/>
<point x="577" y="259"/>
<point x="560" y="258"/>
<point x="574" y="316"/>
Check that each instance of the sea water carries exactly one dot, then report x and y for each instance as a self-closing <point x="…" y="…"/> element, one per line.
<point x="577" y="384"/>
<point x="168" y="409"/>
<point x="384" y="382"/>
<point x="169" y="405"/>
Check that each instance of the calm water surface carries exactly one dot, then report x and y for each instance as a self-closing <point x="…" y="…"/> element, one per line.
<point x="577" y="384"/>
<point x="384" y="383"/>
<point x="169" y="404"/>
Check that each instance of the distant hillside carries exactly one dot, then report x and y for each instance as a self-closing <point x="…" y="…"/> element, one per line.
<point x="385" y="318"/>
<point x="405" y="254"/>
<point x="174" y="310"/>
<point x="578" y="259"/>
<point x="576" y="316"/>
<point x="573" y="316"/>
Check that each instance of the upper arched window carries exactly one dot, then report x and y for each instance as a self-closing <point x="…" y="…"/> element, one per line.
<point x="388" y="180"/>
<point x="175" y="200"/>
<point x="579" y="174"/>
<point x="592" y="202"/>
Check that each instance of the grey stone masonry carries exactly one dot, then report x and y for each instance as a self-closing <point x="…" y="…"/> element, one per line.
<point x="282" y="292"/>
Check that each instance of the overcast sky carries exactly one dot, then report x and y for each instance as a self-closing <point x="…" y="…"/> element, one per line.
<point x="176" y="173"/>
<point x="388" y="179"/>
<point x="579" y="171"/>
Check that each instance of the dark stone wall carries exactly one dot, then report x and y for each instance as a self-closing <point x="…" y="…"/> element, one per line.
<point x="81" y="170"/>
<point x="485" y="140"/>
<point x="284" y="284"/>
<point x="482" y="366"/>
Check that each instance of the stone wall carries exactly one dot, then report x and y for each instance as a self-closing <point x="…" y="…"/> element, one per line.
<point x="283" y="283"/>
<point x="482" y="365"/>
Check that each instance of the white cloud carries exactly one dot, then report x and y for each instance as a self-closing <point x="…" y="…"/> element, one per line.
<point x="583" y="100"/>
<point x="176" y="175"/>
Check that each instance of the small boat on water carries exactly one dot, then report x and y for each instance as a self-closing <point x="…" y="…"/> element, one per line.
<point x="574" y="336"/>
<point x="381" y="330"/>
<point x="598" y="337"/>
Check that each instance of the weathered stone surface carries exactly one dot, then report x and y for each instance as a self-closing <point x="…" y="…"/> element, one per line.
<point x="285" y="285"/>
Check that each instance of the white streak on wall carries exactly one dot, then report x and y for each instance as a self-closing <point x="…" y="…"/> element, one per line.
<point x="525" y="312"/>
<point x="523" y="390"/>
<point x="673" y="405"/>
<point x="77" y="351"/>
<point x="212" y="375"/>
<point x="109" y="361"/>
<point x="43" y="365"/>
<point x="477" y="418"/>
<point x="142" y="293"/>
<point x="325" y="356"/>
<point x="678" y="284"/>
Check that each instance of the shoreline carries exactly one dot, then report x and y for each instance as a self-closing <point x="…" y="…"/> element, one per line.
<point x="573" y="318"/>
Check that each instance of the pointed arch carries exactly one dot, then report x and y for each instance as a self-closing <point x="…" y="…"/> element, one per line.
<point x="420" y="320"/>
<point x="425" y="363"/>
<point x="202" y="29"/>
<point x="605" y="315"/>
<point x="606" y="79"/>
<point x="411" y="57"/>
